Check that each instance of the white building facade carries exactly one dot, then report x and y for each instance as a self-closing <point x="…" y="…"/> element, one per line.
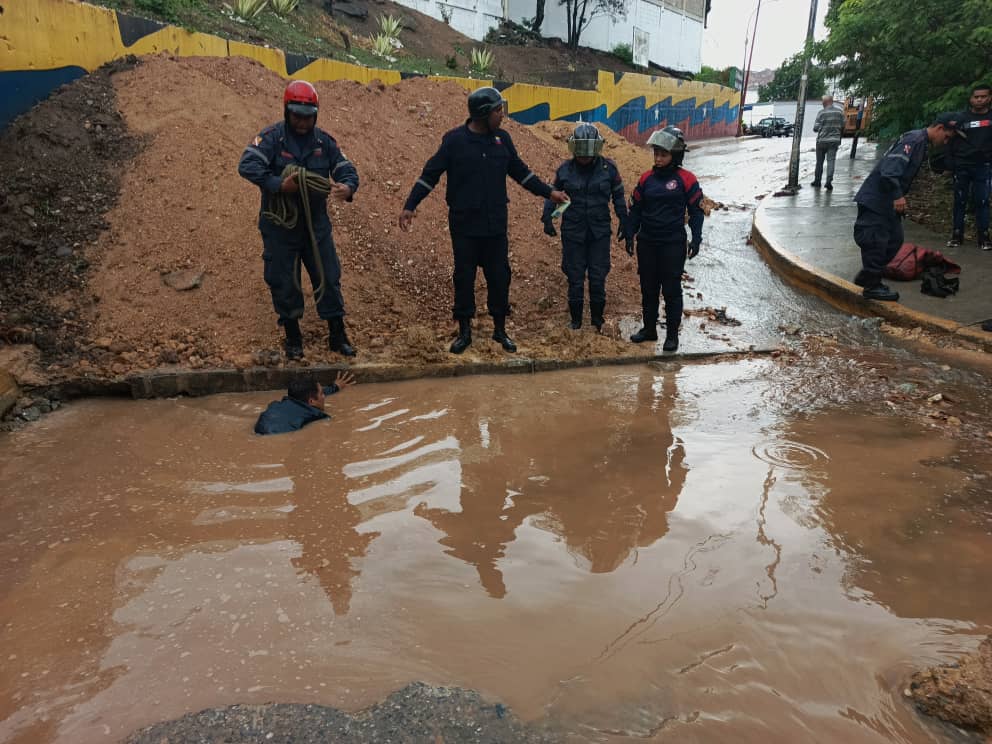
<point x="667" y="33"/>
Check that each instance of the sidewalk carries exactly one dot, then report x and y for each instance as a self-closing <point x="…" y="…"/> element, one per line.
<point x="809" y="238"/>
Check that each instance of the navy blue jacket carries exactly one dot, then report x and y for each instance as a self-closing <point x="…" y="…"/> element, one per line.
<point x="659" y="203"/>
<point x="290" y="414"/>
<point x="477" y="166"/>
<point x="892" y="176"/>
<point x="273" y="149"/>
<point x="590" y="189"/>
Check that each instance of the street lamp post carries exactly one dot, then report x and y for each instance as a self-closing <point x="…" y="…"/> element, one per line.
<point x="747" y="67"/>
<point x="797" y="135"/>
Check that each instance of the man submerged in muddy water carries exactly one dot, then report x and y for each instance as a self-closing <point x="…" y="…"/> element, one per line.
<point x="478" y="156"/>
<point x="275" y="162"/>
<point x="302" y="405"/>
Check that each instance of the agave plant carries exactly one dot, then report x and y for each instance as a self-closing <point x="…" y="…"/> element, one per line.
<point x="382" y="45"/>
<point x="390" y="26"/>
<point x="248" y="9"/>
<point x="482" y="61"/>
<point x="283" y="8"/>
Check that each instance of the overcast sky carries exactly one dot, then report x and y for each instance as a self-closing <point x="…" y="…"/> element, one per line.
<point x="781" y="31"/>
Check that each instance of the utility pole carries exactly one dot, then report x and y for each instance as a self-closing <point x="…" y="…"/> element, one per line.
<point x="797" y="135"/>
<point x="747" y="68"/>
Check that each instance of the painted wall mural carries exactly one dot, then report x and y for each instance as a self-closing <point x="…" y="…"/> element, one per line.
<point x="52" y="42"/>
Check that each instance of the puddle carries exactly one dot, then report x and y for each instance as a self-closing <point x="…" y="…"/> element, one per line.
<point x="617" y="554"/>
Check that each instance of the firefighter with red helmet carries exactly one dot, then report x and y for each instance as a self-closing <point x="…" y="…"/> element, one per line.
<point x="272" y="162"/>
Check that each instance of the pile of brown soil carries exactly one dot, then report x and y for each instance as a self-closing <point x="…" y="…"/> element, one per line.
<point x="960" y="693"/>
<point x="183" y="207"/>
<point x="59" y="173"/>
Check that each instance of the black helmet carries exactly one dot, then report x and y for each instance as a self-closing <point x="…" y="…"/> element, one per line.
<point x="585" y="141"/>
<point x="483" y="102"/>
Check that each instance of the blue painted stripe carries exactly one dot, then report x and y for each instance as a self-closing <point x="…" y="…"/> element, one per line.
<point x="646" y="118"/>
<point x="22" y="89"/>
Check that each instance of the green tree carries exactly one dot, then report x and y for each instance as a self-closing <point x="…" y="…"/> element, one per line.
<point x="785" y="85"/>
<point x="915" y="61"/>
<point x="712" y="75"/>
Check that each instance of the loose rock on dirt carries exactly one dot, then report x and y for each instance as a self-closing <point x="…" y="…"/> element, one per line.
<point x="960" y="693"/>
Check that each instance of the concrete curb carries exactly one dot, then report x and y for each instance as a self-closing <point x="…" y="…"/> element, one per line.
<point x="845" y="295"/>
<point x="194" y="383"/>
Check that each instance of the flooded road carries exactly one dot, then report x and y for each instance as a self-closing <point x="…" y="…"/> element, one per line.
<point x="732" y="551"/>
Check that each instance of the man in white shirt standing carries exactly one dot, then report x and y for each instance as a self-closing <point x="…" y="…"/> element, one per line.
<point x="829" y="127"/>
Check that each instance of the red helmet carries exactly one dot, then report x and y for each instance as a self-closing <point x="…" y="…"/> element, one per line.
<point x="300" y="98"/>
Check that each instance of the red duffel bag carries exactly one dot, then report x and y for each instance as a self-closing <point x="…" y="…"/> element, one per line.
<point x="912" y="259"/>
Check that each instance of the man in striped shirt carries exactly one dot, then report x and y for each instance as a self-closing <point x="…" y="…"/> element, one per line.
<point x="829" y="127"/>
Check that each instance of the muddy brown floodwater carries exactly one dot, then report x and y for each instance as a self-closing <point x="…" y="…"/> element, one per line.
<point x="670" y="553"/>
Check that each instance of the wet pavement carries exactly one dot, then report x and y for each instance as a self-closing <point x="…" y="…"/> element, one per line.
<point x="817" y="227"/>
<point x="743" y="550"/>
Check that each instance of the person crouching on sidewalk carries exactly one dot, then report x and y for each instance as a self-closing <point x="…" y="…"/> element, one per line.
<point x="591" y="182"/>
<point x="658" y="207"/>
<point x="882" y="203"/>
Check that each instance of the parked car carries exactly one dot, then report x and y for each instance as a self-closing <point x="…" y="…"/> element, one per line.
<point x="774" y="126"/>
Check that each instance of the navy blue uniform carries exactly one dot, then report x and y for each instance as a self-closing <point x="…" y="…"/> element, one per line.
<point x="878" y="227"/>
<point x="658" y="209"/>
<point x="262" y="163"/>
<point x="970" y="160"/>
<point x="290" y="414"/>
<point x="586" y="227"/>
<point x="477" y="166"/>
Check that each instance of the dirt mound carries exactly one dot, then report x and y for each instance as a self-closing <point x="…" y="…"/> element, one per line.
<point x="960" y="693"/>
<point x="59" y="172"/>
<point x="183" y="207"/>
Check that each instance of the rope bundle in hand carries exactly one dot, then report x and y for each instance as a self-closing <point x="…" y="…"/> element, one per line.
<point x="284" y="211"/>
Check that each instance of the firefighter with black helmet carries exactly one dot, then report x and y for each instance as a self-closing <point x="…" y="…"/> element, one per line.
<point x="294" y="233"/>
<point x="658" y="208"/>
<point x="478" y="156"/>
<point x="591" y="183"/>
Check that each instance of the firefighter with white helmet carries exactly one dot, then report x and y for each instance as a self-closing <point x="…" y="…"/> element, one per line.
<point x="658" y="208"/>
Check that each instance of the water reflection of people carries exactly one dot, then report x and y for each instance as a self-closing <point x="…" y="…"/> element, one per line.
<point x="602" y="475"/>
<point x="619" y="500"/>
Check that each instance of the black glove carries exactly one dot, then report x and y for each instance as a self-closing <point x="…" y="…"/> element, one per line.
<point x="549" y="228"/>
<point x="629" y="245"/>
<point x="693" y="249"/>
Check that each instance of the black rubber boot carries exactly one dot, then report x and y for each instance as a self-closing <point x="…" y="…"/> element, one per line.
<point x="596" y="312"/>
<point x="880" y="292"/>
<point x="337" y="339"/>
<point x="499" y="335"/>
<point x="575" y="310"/>
<point x="464" y="339"/>
<point x="648" y="333"/>
<point x="671" y="339"/>
<point x="293" y="345"/>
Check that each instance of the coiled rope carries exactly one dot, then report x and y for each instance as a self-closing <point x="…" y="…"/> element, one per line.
<point x="284" y="211"/>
